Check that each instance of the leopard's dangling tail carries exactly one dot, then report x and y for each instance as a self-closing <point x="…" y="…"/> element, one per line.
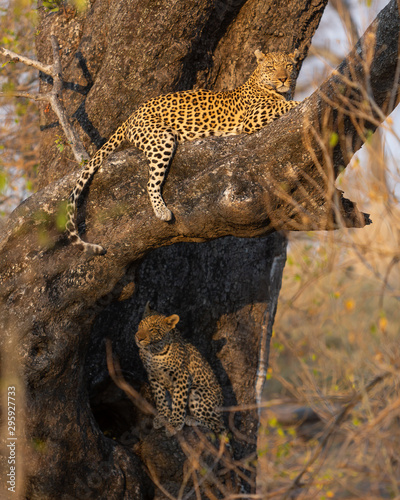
<point x="84" y="178"/>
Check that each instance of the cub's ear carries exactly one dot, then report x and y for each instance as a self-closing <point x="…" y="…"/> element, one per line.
<point x="259" y="55"/>
<point x="294" y="55"/>
<point x="147" y="311"/>
<point x="172" y="321"/>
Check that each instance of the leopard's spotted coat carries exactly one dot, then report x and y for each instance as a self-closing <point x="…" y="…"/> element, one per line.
<point x="159" y="125"/>
<point x="183" y="384"/>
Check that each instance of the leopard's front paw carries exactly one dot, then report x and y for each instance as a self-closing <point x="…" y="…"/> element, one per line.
<point x="163" y="213"/>
<point x="191" y="421"/>
<point x="171" y="431"/>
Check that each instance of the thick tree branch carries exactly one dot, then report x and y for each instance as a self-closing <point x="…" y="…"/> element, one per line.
<point x="300" y="197"/>
<point x="279" y="178"/>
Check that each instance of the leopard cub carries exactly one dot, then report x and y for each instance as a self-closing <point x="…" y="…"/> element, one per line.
<point x="183" y="384"/>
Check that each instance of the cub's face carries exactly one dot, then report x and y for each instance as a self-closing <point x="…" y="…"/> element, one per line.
<point x="275" y="70"/>
<point x="154" y="330"/>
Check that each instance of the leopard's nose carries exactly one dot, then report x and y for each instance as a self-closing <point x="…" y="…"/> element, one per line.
<point x="140" y="336"/>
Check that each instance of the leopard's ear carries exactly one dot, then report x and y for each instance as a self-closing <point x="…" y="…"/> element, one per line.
<point x="172" y="321"/>
<point x="147" y="311"/>
<point x="294" y="55"/>
<point x="259" y="55"/>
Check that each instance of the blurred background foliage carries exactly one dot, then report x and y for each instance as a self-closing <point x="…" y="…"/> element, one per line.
<point x="19" y="120"/>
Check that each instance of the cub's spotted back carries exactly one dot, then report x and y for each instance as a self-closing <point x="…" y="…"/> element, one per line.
<point x="159" y="125"/>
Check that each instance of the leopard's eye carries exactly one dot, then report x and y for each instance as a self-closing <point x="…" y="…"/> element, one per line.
<point x="269" y="68"/>
<point x="289" y="66"/>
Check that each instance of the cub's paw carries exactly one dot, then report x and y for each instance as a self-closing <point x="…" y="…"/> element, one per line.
<point x="191" y="421"/>
<point x="171" y="431"/>
<point x="173" y="428"/>
<point x="159" y="421"/>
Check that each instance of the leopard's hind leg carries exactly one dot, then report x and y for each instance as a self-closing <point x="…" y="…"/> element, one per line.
<point x="203" y="409"/>
<point x="159" y="146"/>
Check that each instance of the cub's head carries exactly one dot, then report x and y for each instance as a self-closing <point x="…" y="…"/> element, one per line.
<point x="275" y="70"/>
<point x="154" y="329"/>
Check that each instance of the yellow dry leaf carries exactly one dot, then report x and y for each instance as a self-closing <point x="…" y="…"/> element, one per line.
<point x="382" y="323"/>
<point x="352" y="337"/>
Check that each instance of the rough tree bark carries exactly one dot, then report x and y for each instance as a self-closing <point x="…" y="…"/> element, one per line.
<point x="58" y="307"/>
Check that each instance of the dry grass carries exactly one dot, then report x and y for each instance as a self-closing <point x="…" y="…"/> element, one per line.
<point x="336" y="330"/>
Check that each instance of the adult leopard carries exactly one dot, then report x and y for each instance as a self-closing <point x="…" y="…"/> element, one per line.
<point x="159" y="125"/>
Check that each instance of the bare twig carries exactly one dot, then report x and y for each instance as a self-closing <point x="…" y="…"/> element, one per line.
<point x="28" y="95"/>
<point x="197" y="462"/>
<point x="56" y="103"/>
<point x="115" y="373"/>
<point x="54" y="96"/>
<point x="385" y="283"/>
<point x="382" y="415"/>
<point x="44" y="68"/>
<point x="156" y="481"/>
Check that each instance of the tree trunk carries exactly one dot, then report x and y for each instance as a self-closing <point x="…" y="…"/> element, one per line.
<point x="60" y="307"/>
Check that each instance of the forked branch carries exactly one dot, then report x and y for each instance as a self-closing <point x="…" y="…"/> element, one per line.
<point x="54" y="97"/>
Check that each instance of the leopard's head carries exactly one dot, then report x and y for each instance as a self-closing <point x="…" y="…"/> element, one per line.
<point x="275" y="70"/>
<point x="154" y="330"/>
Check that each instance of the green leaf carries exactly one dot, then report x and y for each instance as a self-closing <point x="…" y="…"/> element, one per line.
<point x="368" y="135"/>
<point x="333" y="139"/>
<point x="61" y="217"/>
<point x="3" y="181"/>
<point x="81" y="5"/>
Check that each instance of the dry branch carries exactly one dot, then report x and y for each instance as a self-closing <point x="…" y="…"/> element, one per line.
<point x="9" y="54"/>
<point x="27" y="95"/>
<point x="114" y="370"/>
<point x="54" y="97"/>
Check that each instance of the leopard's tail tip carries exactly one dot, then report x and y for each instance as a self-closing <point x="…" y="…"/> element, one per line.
<point x="90" y="249"/>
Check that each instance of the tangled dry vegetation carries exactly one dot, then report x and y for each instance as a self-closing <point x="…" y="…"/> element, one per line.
<point x="331" y="408"/>
<point x="336" y="349"/>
